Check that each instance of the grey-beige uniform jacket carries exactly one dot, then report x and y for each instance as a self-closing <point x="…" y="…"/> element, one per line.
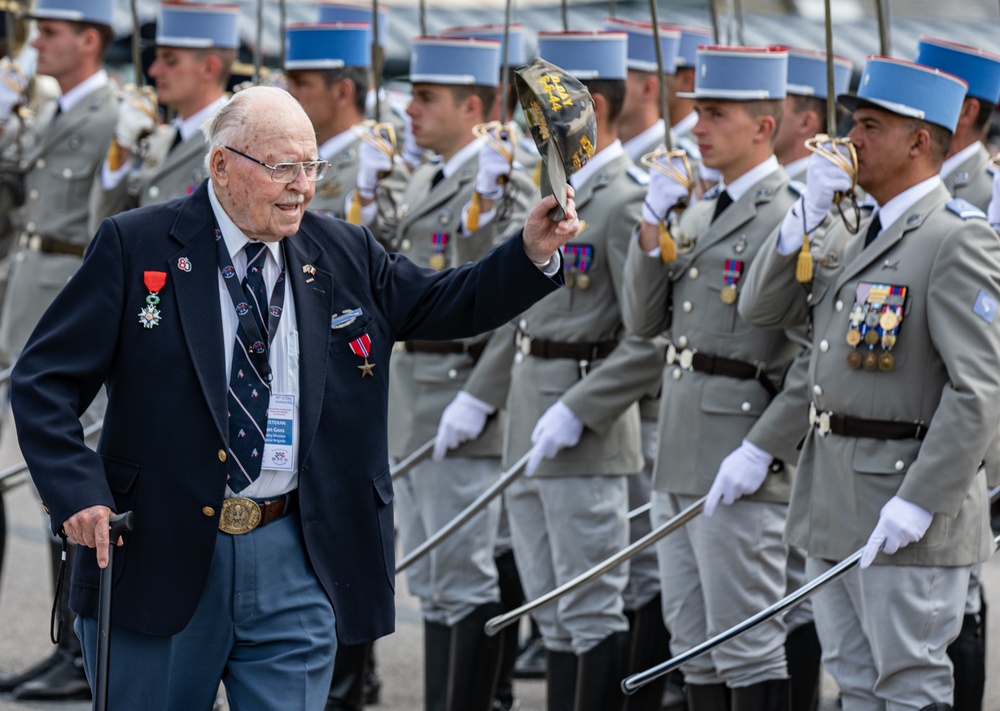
<point x="160" y="174"/>
<point x="423" y="384"/>
<point x="945" y="377"/>
<point x="704" y="417"/>
<point x="58" y="166"/>
<point x="334" y="190"/>
<point x="972" y="179"/>
<point x="609" y="203"/>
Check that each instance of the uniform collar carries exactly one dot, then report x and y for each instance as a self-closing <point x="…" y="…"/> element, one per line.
<point x="742" y="184"/>
<point x="73" y="97"/>
<point x="463" y="156"/>
<point x="337" y="144"/>
<point x="950" y="165"/>
<point x="899" y="205"/>
<point x="600" y="159"/>
<point x="189" y="126"/>
<point x="637" y="145"/>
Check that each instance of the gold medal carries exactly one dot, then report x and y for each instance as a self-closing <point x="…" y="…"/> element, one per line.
<point x="437" y="261"/>
<point x="583" y="281"/>
<point x="728" y="294"/>
<point x="870" y="360"/>
<point x="888" y="320"/>
<point x="570" y="279"/>
<point x="853" y="337"/>
<point x="886" y="362"/>
<point x="888" y="340"/>
<point x="871" y="337"/>
<point x="853" y="360"/>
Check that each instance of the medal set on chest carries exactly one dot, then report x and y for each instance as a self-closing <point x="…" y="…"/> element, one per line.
<point x="577" y="260"/>
<point x="874" y="325"/>
<point x="439" y="242"/>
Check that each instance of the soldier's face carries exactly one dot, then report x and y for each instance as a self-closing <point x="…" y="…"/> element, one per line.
<point x="883" y="141"/>
<point x="311" y="90"/>
<point x="435" y="117"/>
<point x="725" y="133"/>
<point x="59" y="48"/>
<point x="180" y="75"/>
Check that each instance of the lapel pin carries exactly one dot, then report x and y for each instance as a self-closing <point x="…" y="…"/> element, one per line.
<point x="184" y="264"/>
<point x="149" y="316"/>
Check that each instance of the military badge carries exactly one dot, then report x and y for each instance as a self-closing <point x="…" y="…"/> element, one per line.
<point x="149" y="316"/>
<point x="362" y="348"/>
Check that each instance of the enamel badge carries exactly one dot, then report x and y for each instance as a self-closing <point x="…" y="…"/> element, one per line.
<point x="149" y="316"/>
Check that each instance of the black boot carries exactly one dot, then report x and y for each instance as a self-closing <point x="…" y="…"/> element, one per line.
<point x="475" y="661"/>
<point x="511" y="596"/>
<point x="599" y="675"/>
<point x="560" y="681"/>
<point x="373" y="679"/>
<point x="708" y="697"/>
<point x="437" y="654"/>
<point x="531" y="660"/>
<point x="968" y="657"/>
<point x="649" y="644"/>
<point x="803" y="653"/>
<point x="771" y="695"/>
<point x="348" y="684"/>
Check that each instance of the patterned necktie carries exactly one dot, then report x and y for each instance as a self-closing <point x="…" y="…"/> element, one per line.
<point x="724" y="200"/>
<point x="873" y="229"/>
<point x="249" y="393"/>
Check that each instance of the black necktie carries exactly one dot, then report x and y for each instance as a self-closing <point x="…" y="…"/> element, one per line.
<point x="438" y="177"/>
<point x="873" y="229"/>
<point x="56" y="115"/>
<point x="722" y="202"/>
<point x="177" y="140"/>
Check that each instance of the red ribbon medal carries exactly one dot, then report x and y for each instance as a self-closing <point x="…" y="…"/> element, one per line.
<point x="362" y="347"/>
<point x="149" y="316"/>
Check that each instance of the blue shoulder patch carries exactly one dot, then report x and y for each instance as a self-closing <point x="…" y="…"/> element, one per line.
<point x="965" y="209"/>
<point x="638" y="174"/>
<point x="712" y="192"/>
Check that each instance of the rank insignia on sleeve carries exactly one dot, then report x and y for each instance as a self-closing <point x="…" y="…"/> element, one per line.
<point x="985" y="306"/>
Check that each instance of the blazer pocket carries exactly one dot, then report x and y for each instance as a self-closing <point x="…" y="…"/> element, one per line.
<point x="340" y="338"/>
<point x="121" y="474"/>
<point x="383" y="493"/>
<point x="885" y="457"/>
<point x="724" y="396"/>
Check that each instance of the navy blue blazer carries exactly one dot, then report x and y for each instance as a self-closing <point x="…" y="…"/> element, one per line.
<point x="166" y="423"/>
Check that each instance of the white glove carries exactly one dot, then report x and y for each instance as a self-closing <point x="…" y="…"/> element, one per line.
<point x="899" y="524"/>
<point x="556" y="429"/>
<point x="740" y="474"/>
<point x="413" y="154"/>
<point x="13" y="84"/>
<point x="993" y="211"/>
<point x="493" y="167"/>
<point x="136" y="116"/>
<point x="464" y="419"/>
<point x="663" y="192"/>
<point x="373" y="162"/>
<point x="823" y="179"/>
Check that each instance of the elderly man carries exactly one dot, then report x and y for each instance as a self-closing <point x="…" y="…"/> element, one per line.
<point x="264" y="523"/>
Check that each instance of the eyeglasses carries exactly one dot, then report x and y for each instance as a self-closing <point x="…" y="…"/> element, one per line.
<point x="288" y="172"/>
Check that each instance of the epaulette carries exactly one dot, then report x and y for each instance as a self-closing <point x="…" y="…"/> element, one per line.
<point x="638" y="175"/>
<point x="965" y="209"/>
<point x="797" y="187"/>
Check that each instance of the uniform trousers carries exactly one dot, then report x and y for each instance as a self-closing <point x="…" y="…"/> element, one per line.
<point x="562" y="527"/>
<point x="644" y="574"/>
<point x="714" y="573"/>
<point x="460" y="574"/>
<point x="801" y="614"/>
<point x="885" y="632"/>
<point x="264" y="627"/>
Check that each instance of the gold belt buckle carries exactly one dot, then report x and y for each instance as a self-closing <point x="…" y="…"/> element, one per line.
<point x="239" y="515"/>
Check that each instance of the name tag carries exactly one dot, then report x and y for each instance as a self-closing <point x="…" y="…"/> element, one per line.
<point x="279" y="449"/>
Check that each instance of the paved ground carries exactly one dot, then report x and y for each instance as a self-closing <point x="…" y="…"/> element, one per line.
<point x="25" y="600"/>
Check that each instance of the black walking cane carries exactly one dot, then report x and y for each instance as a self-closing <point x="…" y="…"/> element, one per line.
<point x="119" y="523"/>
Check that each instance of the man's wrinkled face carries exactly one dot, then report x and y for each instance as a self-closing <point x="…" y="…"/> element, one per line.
<point x="882" y="141"/>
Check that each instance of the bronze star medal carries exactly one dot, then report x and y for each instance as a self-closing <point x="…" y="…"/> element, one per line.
<point x="362" y="347"/>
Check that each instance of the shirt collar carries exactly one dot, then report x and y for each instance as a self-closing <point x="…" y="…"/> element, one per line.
<point x="797" y="167"/>
<point x="950" y="165"/>
<point x="637" y="145"/>
<point x="899" y="205"/>
<point x="75" y="95"/>
<point x="739" y="187"/>
<point x="464" y="154"/>
<point x="235" y="239"/>
<point x="686" y="124"/>
<point x="189" y="126"/>
<point x="337" y="144"/>
<point x="600" y="159"/>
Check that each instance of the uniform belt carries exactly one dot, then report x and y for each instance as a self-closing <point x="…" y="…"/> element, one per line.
<point x="847" y="426"/>
<point x="691" y="359"/>
<point x="49" y="245"/>
<point x="572" y="351"/>
<point x="242" y="515"/>
<point x="444" y="347"/>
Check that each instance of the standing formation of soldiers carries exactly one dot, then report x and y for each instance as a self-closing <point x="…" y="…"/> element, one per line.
<point x="804" y="347"/>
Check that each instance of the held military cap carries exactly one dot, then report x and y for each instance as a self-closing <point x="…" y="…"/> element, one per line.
<point x="516" y="55"/>
<point x="909" y="89"/>
<point x="641" y="49"/>
<point x="692" y="38"/>
<point x="454" y="60"/>
<point x="586" y="54"/>
<point x="98" y="12"/>
<point x="326" y="46"/>
<point x="807" y="73"/>
<point x="183" y="24"/>
<point x="559" y="112"/>
<point x="356" y="12"/>
<point x="976" y="67"/>
<point x="739" y="73"/>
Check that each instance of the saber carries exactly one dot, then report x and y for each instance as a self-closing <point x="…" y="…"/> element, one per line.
<point x="884" y="43"/>
<point x="376" y="62"/>
<point x="505" y="480"/>
<point x="415" y="457"/>
<point x="831" y="98"/>
<point x="9" y="17"/>
<point x="5" y="375"/>
<point x="15" y="475"/>
<point x="498" y="623"/>
<point x="714" y="16"/>
<point x="639" y="511"/>
<point x="282" y="21"/>
<point x="140" y="76"/>
<point x="664" y="105"/>
<point x="738" y="18"/>
<point x="565" y="15"/>
<point x="258" y="52"/>
<point x="423" y="18"/>
<point x="505" y="70"/>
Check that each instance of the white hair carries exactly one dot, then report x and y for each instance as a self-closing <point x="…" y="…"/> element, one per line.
<point x="230" y="122"/>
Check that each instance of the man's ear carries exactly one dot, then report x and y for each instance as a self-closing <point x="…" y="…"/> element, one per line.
<point x="217" y="166"/>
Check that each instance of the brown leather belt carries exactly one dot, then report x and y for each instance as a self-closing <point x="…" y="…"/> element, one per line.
<point x="474" y="350"/>
<point x="241" y="515"/>
<point x="572" y="351"/>
<point x="847" y="426"/>
<point x="717" y="365"/>
<point x="49" y="245"/>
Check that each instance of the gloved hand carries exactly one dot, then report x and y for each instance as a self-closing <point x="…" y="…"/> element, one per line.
<point x="663" y="192"/>
<point x="740" y="474"/>
<point x="13" y="84"/>
<point x="823" y="179"/>
<point x="464" y="419"/>
<point x="136" y="116"/>
<point x="494" y="166"/>
<point x="993" y="211"/>
<point x="556" y="429"/>
<point x="900" y="523"/>
<point x="413" y="154"/>
<point x="373" y="163"/>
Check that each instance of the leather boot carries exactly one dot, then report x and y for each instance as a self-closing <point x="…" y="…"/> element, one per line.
<point x="511" y="596"/>
<point x="560" y="681"/>
<point x="437" y="654"/>
<point x="803" y="653"/>
<point x="708" y="697"/>
<point x="3" y="531"/>
<point x="771" y="695"/>
<point x="348" y="684"/>
<point x="373" y="679"/>
<point x="599" y="675"/>
<point x="475" y="661"/>
<point x="649" y="644"/>
<point x="968" y="656"/>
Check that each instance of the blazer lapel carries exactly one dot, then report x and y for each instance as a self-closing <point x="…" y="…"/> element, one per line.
<point x="71" y="120"/>
<point x="741" y="211"/>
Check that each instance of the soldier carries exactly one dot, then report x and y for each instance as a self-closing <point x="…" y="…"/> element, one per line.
<point x="195" y="48"/>
<point x="902" y="418"/>
<point x="571" y="511"/>
<point x="454" y="87"/>
<point x="56" y="156"/>
<point x="721" y="381"/>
